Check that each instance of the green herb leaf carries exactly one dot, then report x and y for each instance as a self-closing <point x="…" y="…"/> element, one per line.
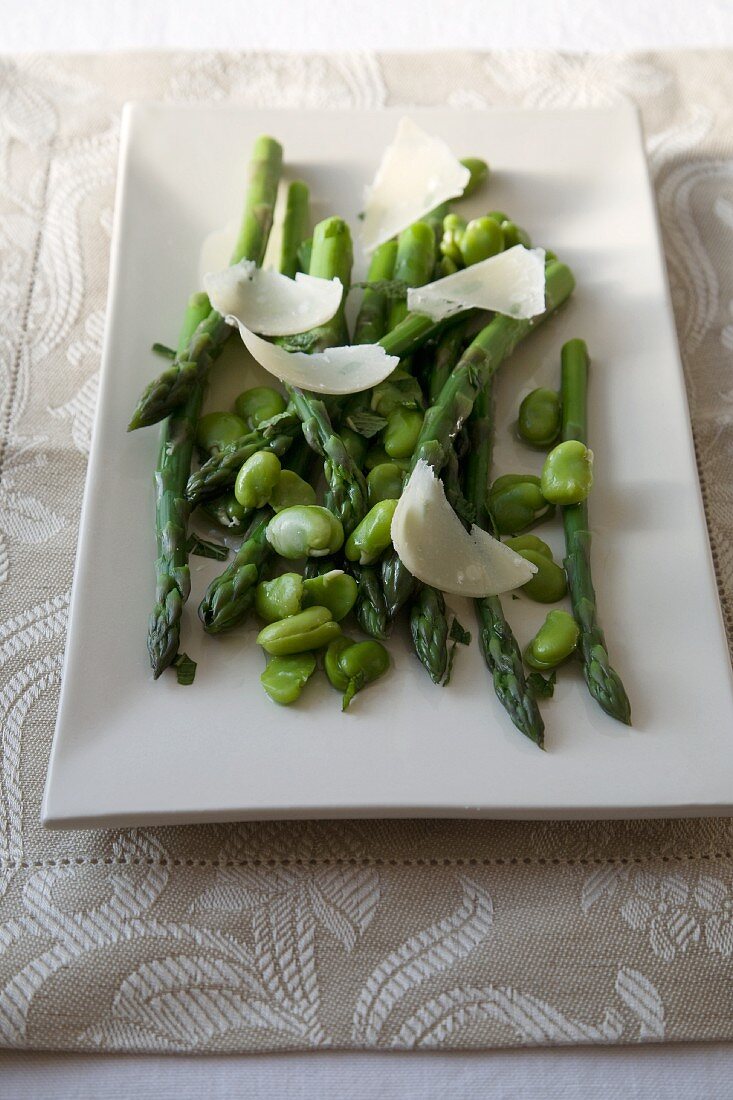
<point x="299" y="341"/>
<point x="366" y="423"/>
<point x="164" y="350"/>
<point x="463" y="508"/>
<point x="541" y="687"/>
<point x="459" y="634"/>
<point x="205" y="549"/>
<point x="390" y="288"/>
<point x="185" y="668"/>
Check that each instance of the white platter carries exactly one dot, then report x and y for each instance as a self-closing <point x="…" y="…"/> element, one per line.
<point x="128" y="750"/>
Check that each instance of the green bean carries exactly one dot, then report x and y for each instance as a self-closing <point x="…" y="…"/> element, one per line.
<point x="362" y="664"/>
<point x="567" y="475"/>
<point x="285" y="677"/>
<point x="373" y="535"/>
<point x="454" y="226"/>
<point x="554" y="641"/>
<point x="279" y="598"/>
<point x="529" y="542"/>
<point x="335" y="590"/>
<point x="548" y="584"/>
<point x="259" y="404"/>
<point x="514" y="234"/>
<point x="444" y="267"/>
<point x="482" y="238"/>
<point x="516" y="502"/>
<point x="257" y="478"/>
<point x="218" y="429"/>
<point x="290" y="490"/>
<point x="402" y="432"/>
<point x="227" y="511"/>
<point x="540" y="418"/>
<point x="479" y="170"/>
<point x="334" y="649"/>
<point x="308" y="630"/>
<point x="384" y="482"/>
<point x="305" y="531"/>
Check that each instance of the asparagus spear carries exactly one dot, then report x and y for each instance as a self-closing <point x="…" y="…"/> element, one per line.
<point x="370" y="609"/>
<point x="498" y="644"/>
<point x="429" y="629"/>
<point x="371" y="321"/>
<point x="173" y="581"/>
<point x="295" y="227"/>
<point x="347" y="492"/>
<point x="603" y="682"/>
<point x="413" y="265"/>
<point x="232" y="593"/>
<point x="172" y="576"/>
<point x="176" y="384"/>
<point x="478" y="363"/>
<point x="447" y="354"/>
<point x="397" y="581"/>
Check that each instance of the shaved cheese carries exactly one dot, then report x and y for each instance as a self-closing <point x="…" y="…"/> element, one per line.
<point x="416" y="174"/>
<point x="270" y="303"/>
<point x="437" y="549"/>
<point x="337" y="370"/>
<point x="512" y="283"/>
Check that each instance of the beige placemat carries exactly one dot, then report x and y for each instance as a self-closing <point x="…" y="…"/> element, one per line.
<point x="381" y="934"/>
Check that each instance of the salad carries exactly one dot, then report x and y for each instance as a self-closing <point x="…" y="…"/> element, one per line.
<point x="359" y="482"/>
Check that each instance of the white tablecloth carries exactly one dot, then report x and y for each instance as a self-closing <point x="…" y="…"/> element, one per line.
<point x="684" y="1072"/>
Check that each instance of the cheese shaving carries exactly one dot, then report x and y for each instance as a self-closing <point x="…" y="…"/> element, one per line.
<point x="416" y="174"/>
<point x="437" y="549"/>
<point x="270" y="303"/>
<point x="339" y="370"/>
<point x="512" y="283"/>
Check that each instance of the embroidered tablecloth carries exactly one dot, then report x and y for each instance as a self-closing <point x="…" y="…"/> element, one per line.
<point x="353" y="934"/>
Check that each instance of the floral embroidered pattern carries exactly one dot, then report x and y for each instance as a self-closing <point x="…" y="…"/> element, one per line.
<point x="277" y="935"/>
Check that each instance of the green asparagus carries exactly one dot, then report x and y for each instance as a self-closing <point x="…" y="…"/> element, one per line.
<point x="603" y="682"/>
<point x="295" y="227"/>
<point x="172" y="576"/>
<point x="178" y="382"/>
<point x="498" y="645"/>
<point x="429" y="629"/>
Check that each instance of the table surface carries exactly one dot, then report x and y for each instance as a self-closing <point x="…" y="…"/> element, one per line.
<point x="673" y="1071"/>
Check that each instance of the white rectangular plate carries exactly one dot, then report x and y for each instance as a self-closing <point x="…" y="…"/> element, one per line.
<point x="128" y="750"/>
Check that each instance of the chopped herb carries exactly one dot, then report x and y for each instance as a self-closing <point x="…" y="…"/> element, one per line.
<point x="205" y="549"/>
<point x="459" y="636"/>
<point x="540" y="686"/>
<point x="185" y="668"/>
<point x="390" y="288"/>
<point x="164" y="350"/>
<point x="366" y="423"/>
<point x="299" y="341"/>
